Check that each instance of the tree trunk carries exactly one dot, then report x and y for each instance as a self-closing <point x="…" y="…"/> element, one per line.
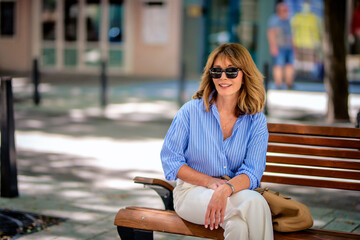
<point x="334" y="48"/>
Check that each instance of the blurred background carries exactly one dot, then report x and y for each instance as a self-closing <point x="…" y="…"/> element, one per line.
<point x="97" y="83"/>
<point x="146" y="40"/>
<point x="146" y="37"/>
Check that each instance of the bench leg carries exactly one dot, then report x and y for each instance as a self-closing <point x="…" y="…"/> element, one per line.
<point x="134" y="234"/>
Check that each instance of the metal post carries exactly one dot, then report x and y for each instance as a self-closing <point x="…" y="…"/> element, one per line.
<point x="36" y="80"/>
<point x="9" y="186"/>
<point x="103" y="80"/>
<point x="266" y="85"/>
<point x="357" y="124"/>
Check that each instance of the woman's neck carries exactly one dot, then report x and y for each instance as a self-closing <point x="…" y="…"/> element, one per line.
<point x="226" y="104"/>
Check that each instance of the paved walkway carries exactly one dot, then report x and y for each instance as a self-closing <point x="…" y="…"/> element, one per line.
<point x="76" y="159"/>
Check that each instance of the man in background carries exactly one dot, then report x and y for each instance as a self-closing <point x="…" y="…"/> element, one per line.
<point x="281" y="46"/>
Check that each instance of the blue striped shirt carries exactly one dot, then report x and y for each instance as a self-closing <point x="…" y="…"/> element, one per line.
<point x="195" y="139"/>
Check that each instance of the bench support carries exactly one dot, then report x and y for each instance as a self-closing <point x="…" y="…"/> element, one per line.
<point x="134" y="234"/>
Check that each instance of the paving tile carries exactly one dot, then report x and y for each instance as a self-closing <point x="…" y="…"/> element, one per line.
<point x="342" y="224"/>
<point x="351" y="215"/>
<point x="318" y="212"/>
<point x="357" y="229"/>
<point x="107" y="235"/>
<point x="322" y="221"/>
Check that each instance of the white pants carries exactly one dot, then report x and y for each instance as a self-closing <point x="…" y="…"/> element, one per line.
<point x="247" y="214"/>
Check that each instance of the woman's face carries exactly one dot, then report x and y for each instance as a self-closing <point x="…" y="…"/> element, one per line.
<point x="227" y="86"/>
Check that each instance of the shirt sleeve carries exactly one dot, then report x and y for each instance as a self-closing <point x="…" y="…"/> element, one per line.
<point x="175" y="145"/>
<point x="255" y="158"/>
<point x="272" y="23"/>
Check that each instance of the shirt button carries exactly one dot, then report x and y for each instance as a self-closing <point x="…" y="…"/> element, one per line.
<point x="224" y="166"/>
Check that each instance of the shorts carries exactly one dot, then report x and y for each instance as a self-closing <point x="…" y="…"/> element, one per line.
<point x="285" y="56"/>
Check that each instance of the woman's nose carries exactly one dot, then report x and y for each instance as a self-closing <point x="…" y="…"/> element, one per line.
<point x="223" y="75"/>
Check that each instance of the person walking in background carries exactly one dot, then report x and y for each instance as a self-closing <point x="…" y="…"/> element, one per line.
<point x="306" y="30"/>
<point x="222" y="131"/>
<point x="281" y="46"/>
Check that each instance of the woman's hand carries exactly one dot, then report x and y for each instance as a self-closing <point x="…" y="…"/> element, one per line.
<point x="215" y="212"/>
<point x="214" y="183"/>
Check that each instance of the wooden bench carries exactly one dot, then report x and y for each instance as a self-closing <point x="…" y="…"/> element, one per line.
<point x="314" y="156"/>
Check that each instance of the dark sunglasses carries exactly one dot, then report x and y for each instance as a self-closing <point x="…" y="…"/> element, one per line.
<point x="231" y="72"/>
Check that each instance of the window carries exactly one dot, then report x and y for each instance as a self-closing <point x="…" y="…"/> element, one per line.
<point x="7" y="18"/>
<point x="93" y="18"/>
<point x="70" y="16"/>
<point x="48" y="19"/>
<point x="116" y="15"/>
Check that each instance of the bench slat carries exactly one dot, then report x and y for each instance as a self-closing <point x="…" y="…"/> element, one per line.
<point x="312" y="182"/>
<point x="316" y="162"/>
<point x="162" y="221"/>
<point x="324" y="152"/>
<point x="170" y="222"/>
<point x="315" y="141"/>
<point x="313" y="130"/>
<point x="344" y="174"/>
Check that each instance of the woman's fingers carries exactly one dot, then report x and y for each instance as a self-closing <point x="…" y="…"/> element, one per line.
<point x="222" y="215"/>
<point x="217" y="218"/>
<point x="207" y="217"/>
<point x="213" y="218"/>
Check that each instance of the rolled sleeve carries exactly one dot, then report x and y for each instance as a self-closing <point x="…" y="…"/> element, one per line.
<point x="255" y="159"/>
<point x="175" y="145"/>
<point x="272" y="23"/>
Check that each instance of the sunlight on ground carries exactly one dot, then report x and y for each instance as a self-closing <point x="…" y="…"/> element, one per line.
<point x="106" y="153"/>
<point x="143" y="111"/>
<point x="308" y="101"/>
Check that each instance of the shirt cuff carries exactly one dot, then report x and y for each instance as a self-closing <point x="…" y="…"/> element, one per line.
<point x="172" y="176"/>
<point x="254" y="182"/>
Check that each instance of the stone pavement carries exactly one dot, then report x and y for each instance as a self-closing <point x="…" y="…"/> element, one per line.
<point x="76" y="159"/>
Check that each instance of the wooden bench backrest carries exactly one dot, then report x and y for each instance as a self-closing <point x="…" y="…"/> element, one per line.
<point x="313" y="156"/>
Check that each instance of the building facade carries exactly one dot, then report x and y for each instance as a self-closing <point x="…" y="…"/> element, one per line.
<point x="155" y="38"/>
<point x="133" y="37"/>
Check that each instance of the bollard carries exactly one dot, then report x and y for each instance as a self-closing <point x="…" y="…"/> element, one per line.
<point x="103" y="82"/>
<point x="357" y="125"/>
<point x="181" y="94"/>
<point x="266" y="85"/>
<point x="36" y="81"/>
<point x="9" y="186"/>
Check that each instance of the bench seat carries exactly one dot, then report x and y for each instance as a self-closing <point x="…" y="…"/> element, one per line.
<point x="303" y="155"/>
<point x="168" y="221"/>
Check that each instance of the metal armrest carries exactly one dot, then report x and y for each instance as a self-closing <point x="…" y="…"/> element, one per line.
<point x="162" y="188"/>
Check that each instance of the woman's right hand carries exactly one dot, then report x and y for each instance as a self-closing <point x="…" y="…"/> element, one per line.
<point x="214" y="183"/>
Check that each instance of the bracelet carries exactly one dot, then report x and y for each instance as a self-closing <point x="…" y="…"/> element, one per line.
<point x="232" y="187"/>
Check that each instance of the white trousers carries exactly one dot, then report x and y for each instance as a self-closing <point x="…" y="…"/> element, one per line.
<point x="247" y="214"/>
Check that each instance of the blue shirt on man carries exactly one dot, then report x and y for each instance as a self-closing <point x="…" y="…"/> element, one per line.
<point x="195" y="139"/>
<point x="283" y="31"/>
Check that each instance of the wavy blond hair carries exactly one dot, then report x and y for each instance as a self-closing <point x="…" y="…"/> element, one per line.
<point x="252" y="93"/>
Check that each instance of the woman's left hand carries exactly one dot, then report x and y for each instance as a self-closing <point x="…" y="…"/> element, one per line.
<point x="215" y="213"/>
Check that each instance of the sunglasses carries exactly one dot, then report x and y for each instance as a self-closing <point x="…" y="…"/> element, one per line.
<point x="231" y="72"/>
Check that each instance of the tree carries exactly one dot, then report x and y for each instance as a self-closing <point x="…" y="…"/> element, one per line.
<point x="334" y="47"/>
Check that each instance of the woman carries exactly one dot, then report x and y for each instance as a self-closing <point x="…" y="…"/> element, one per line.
<point x="222" y="131"/>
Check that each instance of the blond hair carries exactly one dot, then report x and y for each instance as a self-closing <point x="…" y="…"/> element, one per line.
<point x="252" y="93"/>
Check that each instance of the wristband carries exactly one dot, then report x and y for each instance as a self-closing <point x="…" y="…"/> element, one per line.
<point x="232" y="187"/>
